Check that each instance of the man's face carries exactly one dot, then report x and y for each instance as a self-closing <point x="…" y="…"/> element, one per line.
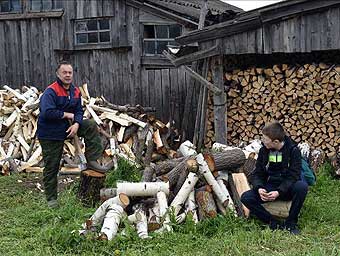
<point x="65" y="74"/>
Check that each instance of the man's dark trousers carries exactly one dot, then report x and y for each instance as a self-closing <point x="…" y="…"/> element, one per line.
<point x="52" y="151"/>
<point x="297" y="193"/>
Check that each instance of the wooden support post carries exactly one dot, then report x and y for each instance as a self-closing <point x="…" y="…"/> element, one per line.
<point x="220" y="101"/>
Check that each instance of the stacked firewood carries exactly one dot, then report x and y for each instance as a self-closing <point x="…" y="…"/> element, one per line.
<point x="304" y="98"/>
<point x="127" y="131"/>
<point x="194" y="184"/>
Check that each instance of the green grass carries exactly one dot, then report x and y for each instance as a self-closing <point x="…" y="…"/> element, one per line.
<point x="27" y="227"/>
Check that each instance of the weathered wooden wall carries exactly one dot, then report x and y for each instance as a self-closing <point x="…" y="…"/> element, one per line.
<point x="31" y="48"/>
<point x="300" y="33"/>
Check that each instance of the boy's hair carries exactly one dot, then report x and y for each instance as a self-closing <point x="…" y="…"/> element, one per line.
<point x="274" y="131"/>
<point x="64" y="62"/>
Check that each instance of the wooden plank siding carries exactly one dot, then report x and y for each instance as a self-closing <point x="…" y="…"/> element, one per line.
<point x="31" y="48"/>
<point x="298" y="34"/>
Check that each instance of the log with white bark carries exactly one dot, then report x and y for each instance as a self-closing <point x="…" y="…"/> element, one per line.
<point x="187" y="149"/>
<point x="106" y="193"/>
<point x="191" y="207"/>
<point x="111" y="222"/>
<point x="142" y="224"/>
<point x="205" y="171"/>
<point x="184" y="192"/>
<point x="231" y="205"/>
<point x="142" y="188"/>
<point x="163" y="210"/>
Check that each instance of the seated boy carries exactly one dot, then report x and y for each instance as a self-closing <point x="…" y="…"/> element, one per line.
<point x="277" y="177"/>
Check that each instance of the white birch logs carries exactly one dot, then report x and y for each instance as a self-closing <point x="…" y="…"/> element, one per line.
<point x="142" y="225"/>
<point x="231" y="205"/>
<point x="187" y="149"/>
<point x="142" y="188"/>
<point x="112" y="221"/>
<point x="163" y="210"/>
<point x="184" y="192"/>
<point x="191" y="207"/>
<point x="205" y="171"/>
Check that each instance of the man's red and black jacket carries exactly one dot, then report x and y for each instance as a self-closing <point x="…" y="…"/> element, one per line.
<point x="53" y="103"/>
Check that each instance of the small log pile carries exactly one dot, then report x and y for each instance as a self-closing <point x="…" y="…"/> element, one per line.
<point x="305" y="99"/>
<point x="194" y="184"/>
<point x="127" y="131"/>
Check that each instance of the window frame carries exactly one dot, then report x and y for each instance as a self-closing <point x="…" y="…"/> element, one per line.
<point x="98" y="31"/>
<point x="27" y="13"/>
<point x="158" y="39"/>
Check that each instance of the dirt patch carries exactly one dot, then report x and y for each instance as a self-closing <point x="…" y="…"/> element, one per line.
<point x="34" y="182"/>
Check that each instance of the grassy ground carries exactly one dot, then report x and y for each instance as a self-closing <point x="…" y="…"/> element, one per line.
<point x="27" y="227"/>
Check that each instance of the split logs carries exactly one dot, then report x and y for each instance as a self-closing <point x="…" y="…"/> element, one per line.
<point x="241" y="185"/>
<point x="206" y="205"/>
<point x="91" y="182"/>
<point x="303" y="98"/>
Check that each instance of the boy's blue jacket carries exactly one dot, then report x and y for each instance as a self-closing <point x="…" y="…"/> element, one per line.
<point x="53" y="103"/>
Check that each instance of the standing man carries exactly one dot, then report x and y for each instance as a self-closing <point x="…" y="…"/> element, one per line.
<point x="277" y="176"/>
<point x="60" y="105"/>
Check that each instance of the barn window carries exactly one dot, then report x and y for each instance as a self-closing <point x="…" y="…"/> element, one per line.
<point x="10" y="6"/>
<point x="44" y="5"/>
<point x="92" y="31"/>
<point x="157" y="37"/>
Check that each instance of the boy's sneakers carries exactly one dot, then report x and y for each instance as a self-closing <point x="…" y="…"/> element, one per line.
<point x="53" y="204"/>
<point x="292" y="228"/>
<point x="275" y="225"/>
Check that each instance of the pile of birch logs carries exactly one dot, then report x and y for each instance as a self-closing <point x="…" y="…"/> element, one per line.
<point x="304" y="98"/>
<point x="194" y="184"/>
<point x="127" y="131"/>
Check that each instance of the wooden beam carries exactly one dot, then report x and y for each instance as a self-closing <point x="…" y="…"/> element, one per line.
<point x="213" y="51"/>
<point x="193" y="74"/>
<point x="220" y="101"/>
<point x="161" y="12"/>
<point x="32" y="15"/>
<point x="204" y="11"/>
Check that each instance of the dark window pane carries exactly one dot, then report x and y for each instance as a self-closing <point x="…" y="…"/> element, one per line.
<point x="161" y="46"/>
<point x="16" y="5"/>
<point x="4" y="6"/>
<point x="93" y="37"/>
<point x="104" y="36"/>
<point x="47" y="5"/>
<point x="58" y="4"/>
<point x="36" y="5"/>
<point x="82" y="39"/>
<point x="92" y="25"/>
<point x="104" y="24"/>
<point x="174" y="31"/>
<point x="149" y="47"/>
<point x="81" y="26"/>
<point x="162" y="31"/>
<point x="149" y="31"/>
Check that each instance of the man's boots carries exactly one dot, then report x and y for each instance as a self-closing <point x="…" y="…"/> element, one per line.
<point x="94" y="165"/>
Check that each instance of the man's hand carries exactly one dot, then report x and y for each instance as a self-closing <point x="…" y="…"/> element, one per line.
<point x="272" y="195"/>
<point x="68" y="115"/>
<point x="72" y="130"/>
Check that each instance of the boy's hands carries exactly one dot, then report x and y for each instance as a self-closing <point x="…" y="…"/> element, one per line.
<point x="268" y="196"/>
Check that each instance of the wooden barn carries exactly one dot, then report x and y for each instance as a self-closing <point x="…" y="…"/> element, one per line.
<point x="115" y="46"/>
<point x="277" y="62"/>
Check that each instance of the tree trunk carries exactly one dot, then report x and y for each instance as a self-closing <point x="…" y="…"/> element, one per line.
<point x="89" y="189"/>
<point x="229" y="160"/>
